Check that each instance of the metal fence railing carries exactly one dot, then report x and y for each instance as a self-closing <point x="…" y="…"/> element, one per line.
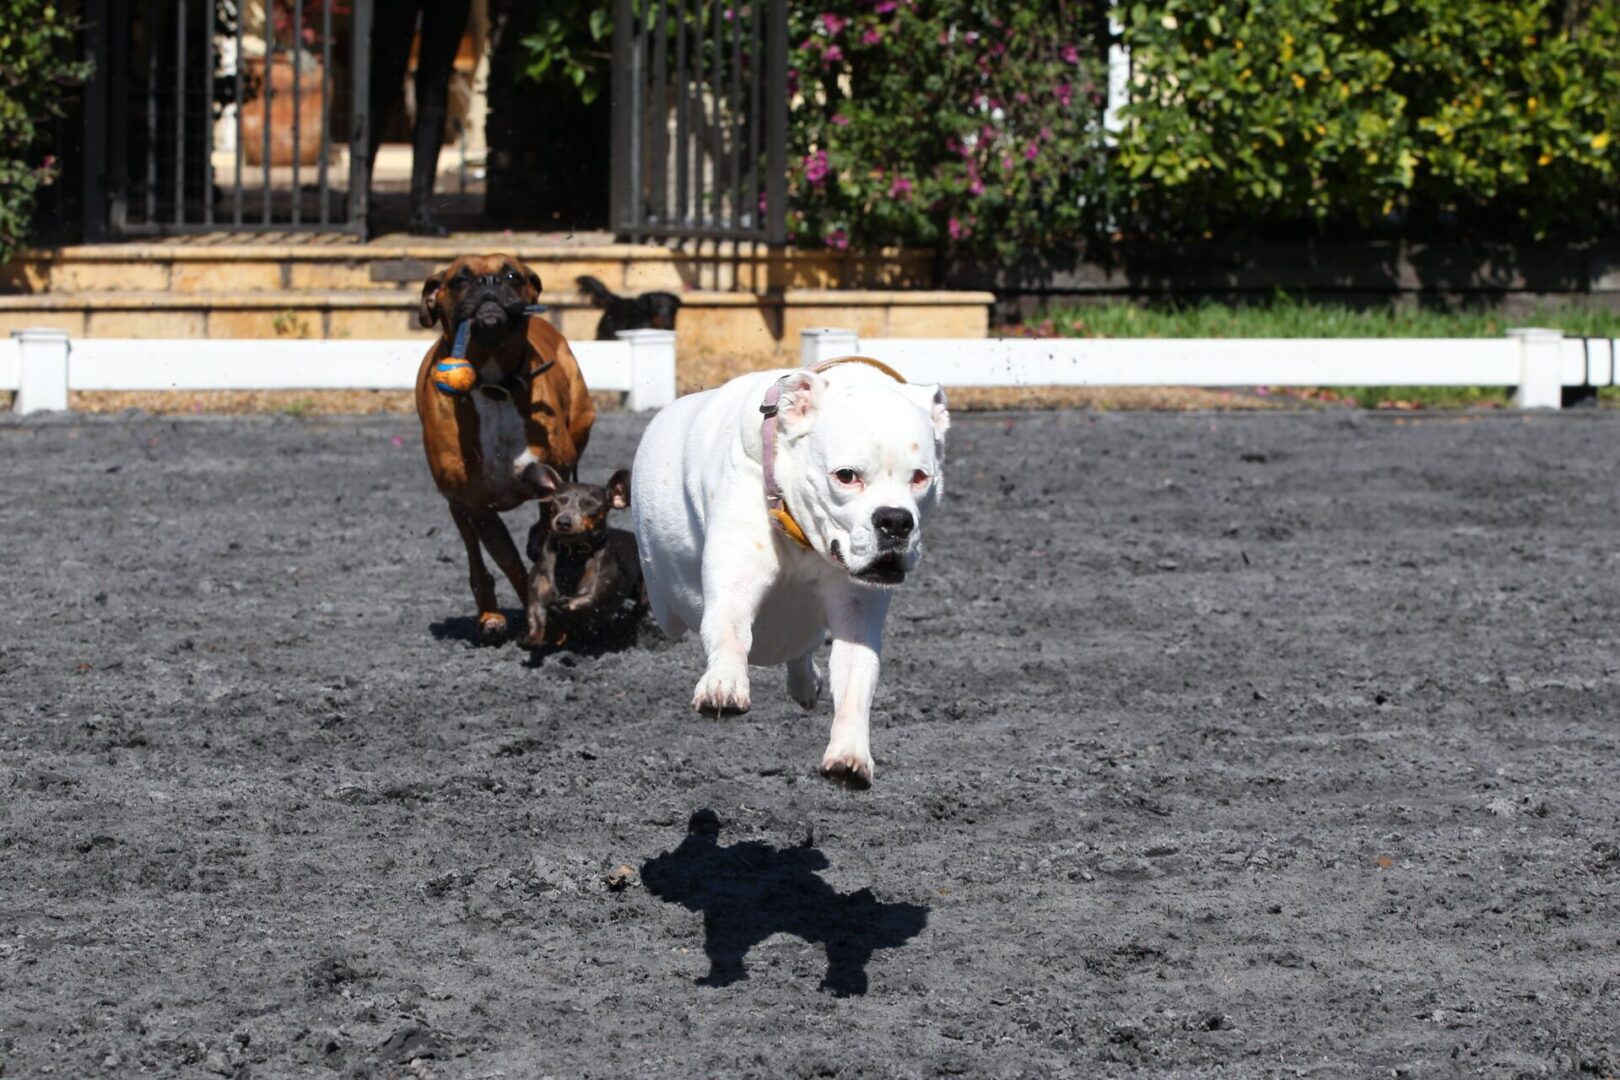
<point x="238" y="115"/>
<point x="700" y="115"/>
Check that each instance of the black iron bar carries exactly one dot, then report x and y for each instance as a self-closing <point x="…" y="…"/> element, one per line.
<point x="733" y="126"/>
<point x="265" y="96"/>
<point x="241" y="20"/>
<point x="208" y="116"/>
<point x="151" y="123"/>
<point x="683" y="95"/>
<point x="326" y="111"/>
<point x="756" y="79"/>
<point x="660" y="117"/>
<point x="702" y="114"/>
<point x="360" y="119"/>
<point x="180" y="113"/>
<point x="624" y="118"/>
<point x="298" y="97"/>
<point x="776" y="123"/>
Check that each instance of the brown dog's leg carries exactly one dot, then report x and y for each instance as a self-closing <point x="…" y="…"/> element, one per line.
<point x="491" y="623"/>
<point x="541" y="590"/>
<point x="492" y="531"/>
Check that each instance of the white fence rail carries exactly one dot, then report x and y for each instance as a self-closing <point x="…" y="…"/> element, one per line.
<point x="43" y="365"/>
<point x="1539" y="363"/>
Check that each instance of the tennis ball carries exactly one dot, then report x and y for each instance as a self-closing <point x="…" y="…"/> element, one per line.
<point x="454" y="376"/>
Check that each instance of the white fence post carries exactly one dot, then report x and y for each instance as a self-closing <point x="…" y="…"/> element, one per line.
<point x="1540" y="356"/>
<point x="825" y="343"/>
<point x="44" y="383"/>
<point x="652" y="368"/>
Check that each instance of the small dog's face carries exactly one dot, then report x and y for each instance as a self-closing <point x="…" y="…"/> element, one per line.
<point x="864" y="468"/>
<point x="575" y="515"/>
<point x="490" y="291"/>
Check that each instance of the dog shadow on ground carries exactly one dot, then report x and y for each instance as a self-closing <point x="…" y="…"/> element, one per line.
<point x="623" y="633"/>
<point x="749" y="890"/>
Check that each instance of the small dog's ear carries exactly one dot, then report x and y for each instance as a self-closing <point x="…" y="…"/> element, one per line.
<point x="537" y="541"/>
<point x="796" y="407"/>
<point x="618" y="488"/>
<point x="539" y="479"/>
<point x="429" y="312"/>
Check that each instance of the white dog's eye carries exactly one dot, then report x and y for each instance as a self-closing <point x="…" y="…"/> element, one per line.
<point x="919" y="478"/>
<point x="847" y="477"/>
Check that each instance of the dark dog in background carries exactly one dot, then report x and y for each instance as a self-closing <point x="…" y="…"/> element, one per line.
<point x="583" y="571"/>
<point x="649" y="311"/>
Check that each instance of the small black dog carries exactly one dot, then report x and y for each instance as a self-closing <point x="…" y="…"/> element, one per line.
<point x="583" y="570"/>
<point x="649" y="311"/>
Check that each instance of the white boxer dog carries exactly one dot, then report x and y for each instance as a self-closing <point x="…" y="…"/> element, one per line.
<point x="779" y="506"/>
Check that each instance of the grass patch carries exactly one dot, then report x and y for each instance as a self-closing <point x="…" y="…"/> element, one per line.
<point x="1285" y="317"/>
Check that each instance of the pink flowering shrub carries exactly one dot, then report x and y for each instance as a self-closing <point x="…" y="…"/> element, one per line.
<point x="961" y="124"/>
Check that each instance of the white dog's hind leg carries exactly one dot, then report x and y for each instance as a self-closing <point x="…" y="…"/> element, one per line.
<point x="804" y="680"/>
<point x="733" y="588"/>
<point x="857" y="628"/>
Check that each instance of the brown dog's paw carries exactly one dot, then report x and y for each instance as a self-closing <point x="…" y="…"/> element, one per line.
<point x="853" y="771"/>
<point x="491" y="627"/>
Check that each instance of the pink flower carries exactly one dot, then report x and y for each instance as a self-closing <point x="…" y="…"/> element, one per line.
<point x="1071" y="55"/>
<point x="816" y="168"/>
<point x="958" y="230"/>
<point x="834" y="23"/>
<point x="887" y="6"/>
<point x="1064" y="93"/>
<point x="872" y="37"/>
<point x="832" y="56"/>
<point x="840" y="120"/>
<point x="1006" y="164"/>
<point x="976" y="186"/>
<point x="900" y="189"/>
<point x="838" y="239"/>
<point x="970" y="37"/>
<point x="1032" y="151"/>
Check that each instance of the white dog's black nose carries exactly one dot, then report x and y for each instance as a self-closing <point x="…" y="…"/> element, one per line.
<point x="893" y="523"/>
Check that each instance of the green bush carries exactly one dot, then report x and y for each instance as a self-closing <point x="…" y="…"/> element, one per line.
<point x="36" y="39"/>
<point x="956" y="123"/>
<point x="1493" y="114"/>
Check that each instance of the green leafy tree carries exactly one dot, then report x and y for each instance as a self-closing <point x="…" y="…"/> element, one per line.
<point x="36" y="75"/>
<point x="1494" y="113"/>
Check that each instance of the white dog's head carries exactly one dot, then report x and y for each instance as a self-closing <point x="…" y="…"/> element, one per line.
<point x="859" y="458"/>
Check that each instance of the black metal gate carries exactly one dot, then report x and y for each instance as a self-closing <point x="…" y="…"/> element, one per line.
<point x="202" y="117"/>
<point x="700" y="107"/>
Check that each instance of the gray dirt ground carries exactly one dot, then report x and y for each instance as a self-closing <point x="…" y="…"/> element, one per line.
<point x="1252" y="745"/>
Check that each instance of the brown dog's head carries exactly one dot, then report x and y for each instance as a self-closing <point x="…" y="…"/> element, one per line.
<point x="490" y="291"/>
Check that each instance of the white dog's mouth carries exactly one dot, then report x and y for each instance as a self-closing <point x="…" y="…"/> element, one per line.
<point x="887" y="569"/>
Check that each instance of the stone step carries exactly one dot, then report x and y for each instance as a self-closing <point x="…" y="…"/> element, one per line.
<point x="753" y="329"/>
<point x="231" y="265"/>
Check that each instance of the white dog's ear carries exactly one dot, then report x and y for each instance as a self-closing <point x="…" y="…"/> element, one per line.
<point x="931" y="396"/>
<point x="796" y="406"/>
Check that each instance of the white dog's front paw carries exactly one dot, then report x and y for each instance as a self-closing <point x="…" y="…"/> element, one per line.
<point x="722" y="690"/>
<point x="804" y="681"/>
<point x="852" y="769"/>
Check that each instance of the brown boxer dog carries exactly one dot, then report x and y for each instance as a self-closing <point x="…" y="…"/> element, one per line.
<point x="487" y="430"/>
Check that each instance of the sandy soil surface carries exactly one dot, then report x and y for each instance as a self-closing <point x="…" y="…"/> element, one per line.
<point x="1260" y="745"/>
